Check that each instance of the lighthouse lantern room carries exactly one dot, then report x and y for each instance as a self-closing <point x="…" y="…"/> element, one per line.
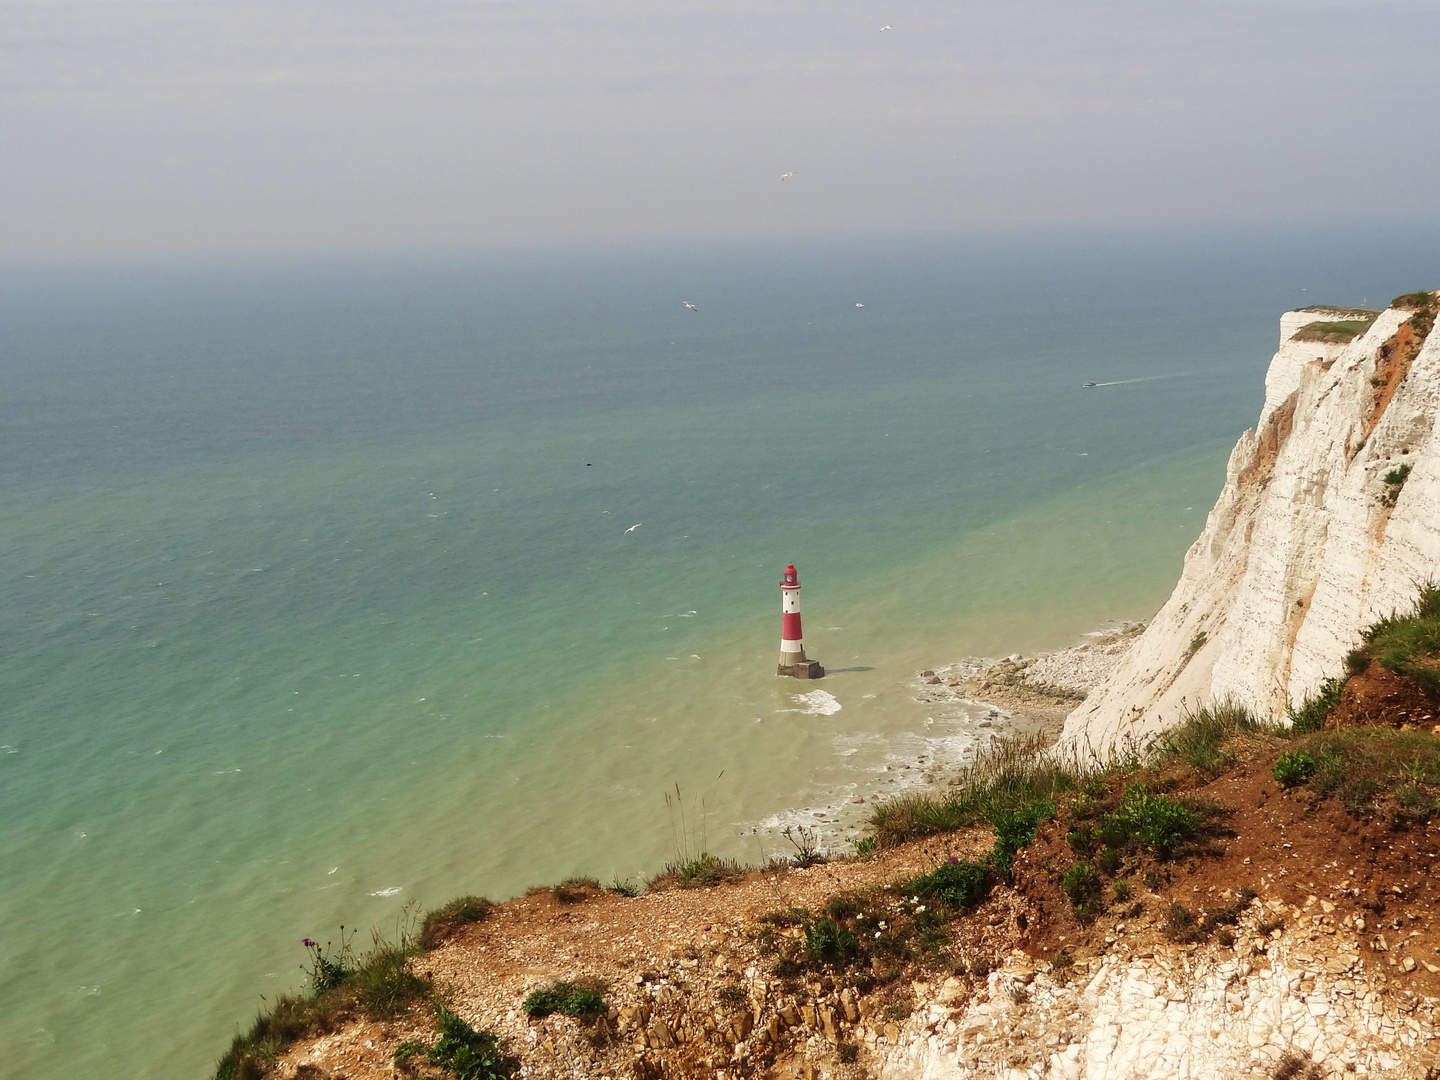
<point x="792" y="641"/>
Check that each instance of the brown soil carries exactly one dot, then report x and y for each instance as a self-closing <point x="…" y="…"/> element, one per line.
<point x="680" y="966"/>
<point x="689" y="974"/>
<point x="666" y="960"/>
<point x="1289" y="848"/>
<point x="1272" y="439"/>
<point x="1392" y="363"/>
<point x="1378" y="697"/>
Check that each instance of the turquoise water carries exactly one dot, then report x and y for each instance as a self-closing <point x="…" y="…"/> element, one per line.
<point x="319" y="595"/>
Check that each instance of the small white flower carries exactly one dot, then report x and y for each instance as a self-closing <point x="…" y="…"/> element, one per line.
<point x="919" y="909"/>
<point x="877" y="933"/>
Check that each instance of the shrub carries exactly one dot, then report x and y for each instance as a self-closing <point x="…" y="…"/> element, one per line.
<point x="1014" y="829"/>
<point x="1108" y="861"/>
<point x="1155" y="821"/>
<point x="866" y="846"/>
<point x="806" y="844"/>
<point x="572" y="999"/>
<point x="1200" y="739"/>
<point x="1356" y="662"/>
<point x="1311" y="714"/>
<point x="1293" y="769"/>
<point x="384" y="986"/>
<point x="732" y="994"/>
<point x="1400" y="641"/>
<point x="378" y="982"/>
<point x="704" y="870"/>
<point x="1413" y="301"/>
<point x="444" y="921"/>
<point x="847" y="1052"/>
<point x="1083" y="839"/>
<point x="1082" y="886"/>
<point x="574" y="889"/>
<point x="330" y="966"/>
<point x="1122" y="891"/>
<point x="828" y="942"/>
<point x="1182" y="926"/>
<point x="1010" y="774"/>
<point x="625" y="887"/>
<point x="469" y="1054"/>
<point x="957" y="883"/>
<point x="1225" y="915"/>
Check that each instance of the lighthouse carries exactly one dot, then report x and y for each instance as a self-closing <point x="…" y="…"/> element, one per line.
<point x="792" y="641"/>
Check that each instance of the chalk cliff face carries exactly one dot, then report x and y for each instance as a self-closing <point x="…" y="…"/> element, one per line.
<point x="1307" y="543"/>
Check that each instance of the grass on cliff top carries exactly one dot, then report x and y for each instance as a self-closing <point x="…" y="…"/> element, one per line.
<point x="1343" y="312"/>
<point x="1012" y="773"/>
<point x="1407" y="644"/>
<point x="343" y="982"/>
<point x="1333" y="333"/>
<point x="1373" y="771"/>
<point x="1015" y="775"/>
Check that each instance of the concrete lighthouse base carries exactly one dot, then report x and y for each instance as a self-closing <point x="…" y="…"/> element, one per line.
<point x="802" y="669"/>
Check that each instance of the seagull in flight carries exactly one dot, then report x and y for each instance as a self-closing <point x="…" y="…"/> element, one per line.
<point x="632" y="528"/>
<point x="691" y="306"/>
<point x="887" y="26"/>
<point x="786" y="176"/>
<point x="859" y="305"/>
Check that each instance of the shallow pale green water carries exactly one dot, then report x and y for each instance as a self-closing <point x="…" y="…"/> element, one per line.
<point x="316" y="607"/>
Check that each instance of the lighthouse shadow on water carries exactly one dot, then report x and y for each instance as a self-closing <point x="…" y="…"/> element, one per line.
<point x="792" y="641"/>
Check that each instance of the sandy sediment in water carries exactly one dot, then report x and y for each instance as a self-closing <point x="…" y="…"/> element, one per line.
<point x="1031" y="692"/>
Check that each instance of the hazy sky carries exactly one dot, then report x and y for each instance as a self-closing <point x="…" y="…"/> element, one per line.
<point x="184" y="126"/>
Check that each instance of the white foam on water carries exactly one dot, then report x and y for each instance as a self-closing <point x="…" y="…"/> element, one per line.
<point x="817" y="703"/>
<point x="388" y="892"/>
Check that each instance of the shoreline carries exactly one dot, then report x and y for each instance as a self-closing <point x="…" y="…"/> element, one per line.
<point x="1018" y="695"/>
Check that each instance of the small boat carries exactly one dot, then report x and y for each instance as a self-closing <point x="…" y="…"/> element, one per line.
<point x="1088" y="385"/>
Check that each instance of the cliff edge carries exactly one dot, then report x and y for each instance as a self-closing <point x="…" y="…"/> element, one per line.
<point x="1329" y="519"/>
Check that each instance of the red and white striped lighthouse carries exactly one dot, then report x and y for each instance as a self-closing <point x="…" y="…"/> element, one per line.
<point x="792" y="640"/>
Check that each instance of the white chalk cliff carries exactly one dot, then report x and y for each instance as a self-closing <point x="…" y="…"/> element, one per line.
<point x="1303" y="548"/>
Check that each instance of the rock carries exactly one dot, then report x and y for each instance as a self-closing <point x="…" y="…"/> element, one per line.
<point x="1408" y="964"/>
<point x="828" y="1026"/>
<point x="951" y="990"/>
<point x="1300" y="518"/>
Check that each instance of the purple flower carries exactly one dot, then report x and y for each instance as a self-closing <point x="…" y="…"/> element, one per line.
<point x="306" y="942"/>
<point x="954" y="861"/>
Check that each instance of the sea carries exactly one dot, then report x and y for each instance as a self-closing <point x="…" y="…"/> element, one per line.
<point x="337" y="584"/>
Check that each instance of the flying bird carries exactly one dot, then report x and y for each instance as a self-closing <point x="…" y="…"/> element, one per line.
<point x="786" y="176"/>
<point x="691" y="306"/>
<point x="859" y="305"/>
<point x="887" y="26"/>
<point x="632" y="528"/>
